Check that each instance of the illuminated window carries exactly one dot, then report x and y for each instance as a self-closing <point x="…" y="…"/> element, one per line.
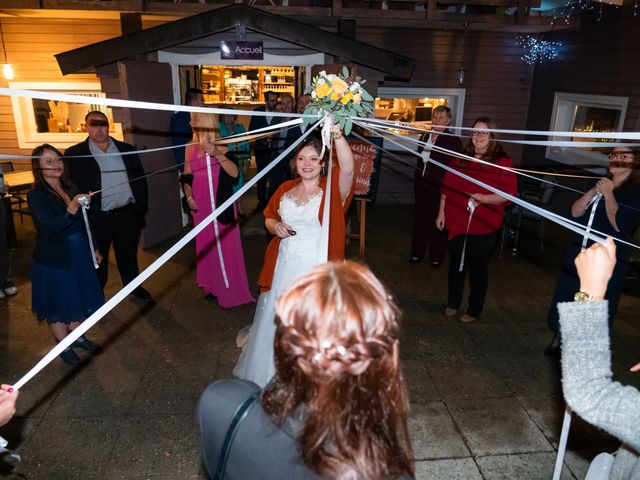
<point x="56" y="122"/>
<point x="585" y="113"/>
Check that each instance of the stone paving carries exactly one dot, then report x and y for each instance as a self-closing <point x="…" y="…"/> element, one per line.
<point x="486" y="404"/>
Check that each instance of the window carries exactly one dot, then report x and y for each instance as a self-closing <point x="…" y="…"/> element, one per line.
<point x="416" y="105"/>
<point x="59" y="123"/>
<point x="585" y="113"/>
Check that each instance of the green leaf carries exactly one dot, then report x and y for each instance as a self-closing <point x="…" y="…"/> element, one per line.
<point x="366" y="96"/>
<point x="345" y="71"/>
<point x="348" y="126"/>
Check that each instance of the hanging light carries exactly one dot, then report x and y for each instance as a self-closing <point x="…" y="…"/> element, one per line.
<point x="7" y="69"/>
<point x="464" y="48"/>
<point x="461" y="75"/>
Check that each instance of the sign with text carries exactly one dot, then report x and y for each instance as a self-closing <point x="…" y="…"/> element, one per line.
<point x="367" y="158"/>
<point x="241" y="50"/>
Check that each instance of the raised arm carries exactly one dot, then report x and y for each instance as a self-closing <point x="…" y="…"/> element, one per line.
<point x="345" y="160"/>
<point x="586" y="356"/>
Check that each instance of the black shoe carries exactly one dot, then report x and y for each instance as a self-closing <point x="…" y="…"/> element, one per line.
<point x="69" y="357"/>
<point x="87" y="345"/>
<point x="414" y="260"/>
<point x="141" y="294"/>
<point x="553" y="349"/>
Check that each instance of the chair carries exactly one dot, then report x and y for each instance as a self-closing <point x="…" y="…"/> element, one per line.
<point x="538" y="194"/>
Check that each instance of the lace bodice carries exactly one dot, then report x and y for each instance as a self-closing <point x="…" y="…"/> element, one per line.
<point x="303" y="218"/>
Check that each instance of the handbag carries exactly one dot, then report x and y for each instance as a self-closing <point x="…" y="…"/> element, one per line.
<point x="238" y="416"/>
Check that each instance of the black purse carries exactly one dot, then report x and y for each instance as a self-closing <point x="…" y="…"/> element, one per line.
<point x="238" y="416"/>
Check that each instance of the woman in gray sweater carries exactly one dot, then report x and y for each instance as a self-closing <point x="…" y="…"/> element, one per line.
<point x="586" y="361"/>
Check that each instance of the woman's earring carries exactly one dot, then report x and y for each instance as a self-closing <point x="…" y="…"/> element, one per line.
<point x="324" y="170"/>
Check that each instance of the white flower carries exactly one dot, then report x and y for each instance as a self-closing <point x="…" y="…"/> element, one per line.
<point x="323" y="73"/>
<point x="354" y="86"/>
<point x="313" y="94"/>
<point x="321" y="81"/>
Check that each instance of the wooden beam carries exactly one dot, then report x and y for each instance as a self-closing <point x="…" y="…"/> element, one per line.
<point x="127" y="5"/>
<point x="87" y="58"/>
<point x="130" y="23"/>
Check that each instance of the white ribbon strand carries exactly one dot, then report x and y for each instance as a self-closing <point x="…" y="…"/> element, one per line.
<point x="471" y="207"/>
<point x="150" y="270"/>
<point x="84" y="205"/>
<point x="216" y="231"/>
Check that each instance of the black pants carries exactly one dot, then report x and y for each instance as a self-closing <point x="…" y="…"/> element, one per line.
<point x="4" y="248"/>
<point x="261" y="162"/>
<point x="122" y="228"/>
<point x="476" y="263"/>
<point x="425" y="232"/>
<point x="569" y="283"/>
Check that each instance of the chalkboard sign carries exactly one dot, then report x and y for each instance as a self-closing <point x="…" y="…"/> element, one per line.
<point x="367" y="158"/>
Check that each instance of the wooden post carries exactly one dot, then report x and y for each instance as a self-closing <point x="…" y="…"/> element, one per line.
<point x="361" y="235"/>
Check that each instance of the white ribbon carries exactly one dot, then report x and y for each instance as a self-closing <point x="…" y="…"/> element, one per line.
<point x="325" y="133"/>
<point x="594" y="204"/>
<point x="554" y="217"/>
<point x="471" y="207"/>
<point x="84" y="204"/>
<point x="216" y="231"/>
<point x="150" y="270"/>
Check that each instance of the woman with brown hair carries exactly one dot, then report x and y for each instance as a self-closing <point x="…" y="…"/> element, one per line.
<point x="294" y="216"/>
<point x="64" y="283"/>
<point x="618" y="215"/>
<point x="337" y="406"/>
<point x="473" y="233"/>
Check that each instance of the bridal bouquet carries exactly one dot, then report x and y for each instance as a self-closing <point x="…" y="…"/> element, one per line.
<point x="340" y="97"/>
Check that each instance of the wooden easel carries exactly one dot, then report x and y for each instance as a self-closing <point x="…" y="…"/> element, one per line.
<point x="362" y="207"/>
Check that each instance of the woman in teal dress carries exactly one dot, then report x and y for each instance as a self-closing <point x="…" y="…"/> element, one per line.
<point x="228" y="126"/>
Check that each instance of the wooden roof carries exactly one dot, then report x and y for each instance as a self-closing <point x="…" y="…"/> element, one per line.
<point x="86" y="59"/>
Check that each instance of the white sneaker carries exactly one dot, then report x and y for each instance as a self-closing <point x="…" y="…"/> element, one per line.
<point x="12" y="290"/>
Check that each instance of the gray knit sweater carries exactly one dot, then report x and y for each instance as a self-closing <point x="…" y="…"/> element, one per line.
<point x="588" y="387"/>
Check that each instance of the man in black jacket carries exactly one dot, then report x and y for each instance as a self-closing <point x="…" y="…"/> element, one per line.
<point x="264" y="148"/>
<point x="120" y="203"/>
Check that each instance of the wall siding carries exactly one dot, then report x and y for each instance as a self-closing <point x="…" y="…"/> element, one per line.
<point x="599" y="59"/>
<point x="31" y="45"/>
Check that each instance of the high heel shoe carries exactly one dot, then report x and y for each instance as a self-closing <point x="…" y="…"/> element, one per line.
<point x="553" y="349"/>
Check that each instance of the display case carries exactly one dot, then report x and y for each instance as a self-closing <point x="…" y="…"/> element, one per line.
<point x="245" y="85"/>
<point x="278" y="79"/>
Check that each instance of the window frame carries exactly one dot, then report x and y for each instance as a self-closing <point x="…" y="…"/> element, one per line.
<point x="562" y="119"/>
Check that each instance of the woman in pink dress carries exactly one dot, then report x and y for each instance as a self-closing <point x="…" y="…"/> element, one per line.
<point x="220" y="269"/>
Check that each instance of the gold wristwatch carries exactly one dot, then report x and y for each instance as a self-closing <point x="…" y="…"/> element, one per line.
<point x="582" y="296"/>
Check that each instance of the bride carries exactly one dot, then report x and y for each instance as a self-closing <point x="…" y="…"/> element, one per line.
<point x="294" y="216"/>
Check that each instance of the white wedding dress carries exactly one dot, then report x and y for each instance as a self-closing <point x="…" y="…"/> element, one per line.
<point x="297" y="255"/>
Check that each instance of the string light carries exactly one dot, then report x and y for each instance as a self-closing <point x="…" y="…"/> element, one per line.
<point x="536" y="50"/>
<point x="7" y="69"/>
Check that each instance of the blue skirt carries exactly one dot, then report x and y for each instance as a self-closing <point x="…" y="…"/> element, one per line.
<point x="67" y="294"/>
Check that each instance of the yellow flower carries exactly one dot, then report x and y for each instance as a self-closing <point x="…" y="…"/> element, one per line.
<point x="339" y="86"/>
<point x="322" y="90"/>
<point x="344" y="100"/>
<point x="335" y="96"/>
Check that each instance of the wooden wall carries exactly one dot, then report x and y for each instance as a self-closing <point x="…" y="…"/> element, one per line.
<point x="599" y="59"/>
<point x="496" y="82"/>
<point x="31" y="45"/>
<point x="495" y="77"/>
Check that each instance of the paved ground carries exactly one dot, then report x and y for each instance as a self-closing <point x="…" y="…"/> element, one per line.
<point x="485" y="402"/>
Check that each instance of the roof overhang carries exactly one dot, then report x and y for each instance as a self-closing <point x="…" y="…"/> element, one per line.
<point x="86" y="59"/>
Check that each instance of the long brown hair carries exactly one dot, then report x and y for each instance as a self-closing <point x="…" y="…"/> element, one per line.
<point x="337" y="362"/>
<point x="494" y="150"/>
<point x="38" y="179"/>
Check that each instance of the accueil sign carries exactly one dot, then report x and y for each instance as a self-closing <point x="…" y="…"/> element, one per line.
<point x="241" y="50"/>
